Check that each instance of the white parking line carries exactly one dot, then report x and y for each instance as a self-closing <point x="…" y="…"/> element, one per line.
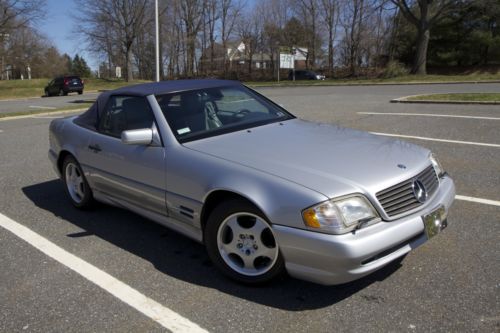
<point x="42" y="107"/>
<point x="154" y="310"/>
<point x="438" y="140"/>
<point x="427" y="115"/>
<point x="478" y="200"/>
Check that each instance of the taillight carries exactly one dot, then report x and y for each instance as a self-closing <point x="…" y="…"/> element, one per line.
<point x="65" y="82"/>
<point x="82" y="81"/>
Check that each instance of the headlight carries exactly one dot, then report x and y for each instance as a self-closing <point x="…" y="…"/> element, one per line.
<point x="339" y="216"/>
<point x="437" y="166"/>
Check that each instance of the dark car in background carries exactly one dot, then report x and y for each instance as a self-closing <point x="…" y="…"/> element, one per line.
<point x="63" y="85"/>
<point x="305" y="75"/>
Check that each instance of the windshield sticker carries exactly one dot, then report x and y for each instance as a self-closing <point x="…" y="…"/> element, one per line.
<point x="183" y="130"/>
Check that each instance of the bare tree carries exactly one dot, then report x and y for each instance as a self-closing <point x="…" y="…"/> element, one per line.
<point x="16" y="13"/>
<point x="230" y="10"/>
<point x="191" y="15"/>
<point x="423" y="14"/>
<point x="274" y="15"/>
<point x="212" y="14"/>
<point x="249" y="33"/>
<point x="308" y="12"/>
<point x="124" y="20"/>
<point x="329" y="13"/>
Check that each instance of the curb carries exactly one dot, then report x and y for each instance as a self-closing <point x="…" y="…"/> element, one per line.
<point x="406" y="100"/>
<point x="31" y="115"/>
<point x="287" y="85"/>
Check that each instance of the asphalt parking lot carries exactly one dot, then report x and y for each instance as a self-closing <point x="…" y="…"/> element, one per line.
<point x="451" y="283"/>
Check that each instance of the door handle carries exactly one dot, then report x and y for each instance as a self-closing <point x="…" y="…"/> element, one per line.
<point x="95" y="148"/>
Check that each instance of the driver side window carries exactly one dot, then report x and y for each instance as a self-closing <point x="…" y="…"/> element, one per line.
<point x="124" y="113"/>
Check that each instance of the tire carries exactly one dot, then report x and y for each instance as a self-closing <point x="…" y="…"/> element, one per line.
<point x="61" y="92"/>
<point x="75" y="184"/>
<point x="80" y="92"/>
<point x="241" y="243"/>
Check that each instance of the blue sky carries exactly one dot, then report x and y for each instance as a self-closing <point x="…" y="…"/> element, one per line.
<point x="59" y="25"/>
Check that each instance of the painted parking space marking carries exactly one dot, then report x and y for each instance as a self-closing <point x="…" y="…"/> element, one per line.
<point x="438" y="140"/>
<point x="42" y="107"/>
<point x="478" y="200"/>
<point x="427" y="115"/>
<point x="152" y="309"/>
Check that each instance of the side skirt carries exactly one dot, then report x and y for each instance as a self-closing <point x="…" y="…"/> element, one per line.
<point x="169" y="222"/>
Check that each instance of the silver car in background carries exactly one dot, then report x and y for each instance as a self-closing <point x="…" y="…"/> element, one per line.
<point x="264" y="191"/>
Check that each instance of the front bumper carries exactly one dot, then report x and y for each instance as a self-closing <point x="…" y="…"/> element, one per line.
<point x="335" y="259"/>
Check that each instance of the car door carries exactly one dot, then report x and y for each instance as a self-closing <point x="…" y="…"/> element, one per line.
<point x="49" y="87"/>
<point x="53" y="87"/>
<point x="132" y="174"/>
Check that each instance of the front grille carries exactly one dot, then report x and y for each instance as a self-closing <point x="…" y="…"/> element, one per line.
<point x="399" y="198"/>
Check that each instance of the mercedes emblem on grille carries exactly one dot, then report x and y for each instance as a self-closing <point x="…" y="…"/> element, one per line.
<point x="419" y="191"/>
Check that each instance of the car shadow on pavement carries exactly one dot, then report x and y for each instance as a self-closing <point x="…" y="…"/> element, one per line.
<point x="184" y="259"/>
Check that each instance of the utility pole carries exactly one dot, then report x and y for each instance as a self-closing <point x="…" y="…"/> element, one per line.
<point x="157" y="43"/>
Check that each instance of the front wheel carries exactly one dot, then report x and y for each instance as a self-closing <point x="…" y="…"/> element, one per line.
<point x="241" y="243"/>
<point x="76" y="185"/>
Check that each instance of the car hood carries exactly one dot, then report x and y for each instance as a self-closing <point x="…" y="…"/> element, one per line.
<point x="329" y="159"/>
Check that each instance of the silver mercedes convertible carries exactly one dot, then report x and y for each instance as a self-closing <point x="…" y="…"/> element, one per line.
<point x="266" y="193"/>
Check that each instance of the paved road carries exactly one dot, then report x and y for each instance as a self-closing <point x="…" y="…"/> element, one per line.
<point x="45" y="103"/>
<point x="449" y="284"/>
<point x="370" y="94"/>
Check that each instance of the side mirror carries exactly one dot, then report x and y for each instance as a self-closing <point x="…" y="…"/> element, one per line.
<point x="142" y="137"/>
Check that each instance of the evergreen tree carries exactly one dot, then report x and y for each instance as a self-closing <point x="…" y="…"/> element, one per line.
<point x="80" y="67"/>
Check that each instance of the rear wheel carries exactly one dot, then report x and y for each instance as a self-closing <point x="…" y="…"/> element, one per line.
<point x="75" y="183"/>
<point x="61" y="92"/>
<point x="80" y="92"/>
<point x="241" y="243"/>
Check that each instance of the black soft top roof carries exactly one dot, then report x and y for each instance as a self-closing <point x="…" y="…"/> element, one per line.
<point x="90" y="118"/>
<point x="165" y="87"/>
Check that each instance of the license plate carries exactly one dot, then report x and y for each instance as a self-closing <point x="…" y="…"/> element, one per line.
<point x="435" y="222"/>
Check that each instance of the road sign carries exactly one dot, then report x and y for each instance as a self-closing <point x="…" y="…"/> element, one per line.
<point x="287" y="60"/>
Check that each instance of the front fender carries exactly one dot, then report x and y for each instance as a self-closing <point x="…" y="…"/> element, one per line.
<point x="195" y="175"/>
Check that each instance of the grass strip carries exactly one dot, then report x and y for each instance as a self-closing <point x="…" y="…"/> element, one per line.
<point x="406" y="79"/>
<point x="35" y="88"/>
<point x="458" y="97"/>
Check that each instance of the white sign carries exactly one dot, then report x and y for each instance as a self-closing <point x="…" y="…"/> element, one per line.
<point x="287" y="60"/>
<point x="118" y="72"/>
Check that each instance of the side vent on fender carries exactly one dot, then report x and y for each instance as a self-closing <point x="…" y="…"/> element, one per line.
<point x="188" y="212"/>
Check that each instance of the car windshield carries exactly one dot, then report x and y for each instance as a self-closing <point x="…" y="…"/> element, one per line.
<point x="208" y="112"/>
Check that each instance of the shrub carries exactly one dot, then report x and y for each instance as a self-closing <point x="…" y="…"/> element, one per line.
<point x="395" y="69"/>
